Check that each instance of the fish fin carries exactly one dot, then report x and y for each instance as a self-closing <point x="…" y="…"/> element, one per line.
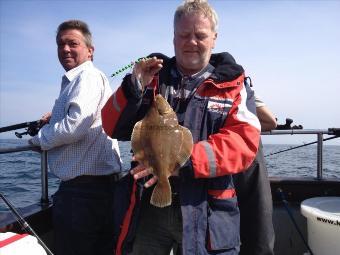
<point x="136" y="143"/>
<point x="186" y="146"/>
<point x="161" y="195"/>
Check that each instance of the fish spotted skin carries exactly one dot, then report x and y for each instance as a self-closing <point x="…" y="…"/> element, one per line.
<point x="160" y="143"/>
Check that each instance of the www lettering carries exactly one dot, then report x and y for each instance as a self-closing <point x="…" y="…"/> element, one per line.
<point x="332" y="222"/>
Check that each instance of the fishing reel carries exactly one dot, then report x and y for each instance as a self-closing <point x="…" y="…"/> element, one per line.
<point x="31" y="128"/>
<point x="287" y="125"/>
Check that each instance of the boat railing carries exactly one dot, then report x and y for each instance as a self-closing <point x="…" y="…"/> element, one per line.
<point x="319" y="132"/>
<point x="43" y="166"/>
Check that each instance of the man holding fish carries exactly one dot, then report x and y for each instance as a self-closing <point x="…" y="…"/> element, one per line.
<point x="208" y="95"/>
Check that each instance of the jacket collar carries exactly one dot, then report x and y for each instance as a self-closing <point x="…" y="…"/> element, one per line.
<point x="226" y="68"/>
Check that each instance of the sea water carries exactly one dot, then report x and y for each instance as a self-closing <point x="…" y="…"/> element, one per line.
<point x="20" y="179"/>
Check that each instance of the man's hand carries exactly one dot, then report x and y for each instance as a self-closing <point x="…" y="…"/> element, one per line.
<point x="145" y="70"/>
<point x="45" y="118"/>
<point x="141" y="171"/>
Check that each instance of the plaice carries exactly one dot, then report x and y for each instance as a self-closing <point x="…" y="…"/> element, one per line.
<point x="159" y="142"/>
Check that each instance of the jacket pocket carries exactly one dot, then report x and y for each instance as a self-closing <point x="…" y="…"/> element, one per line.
<point x="223" y="222"/>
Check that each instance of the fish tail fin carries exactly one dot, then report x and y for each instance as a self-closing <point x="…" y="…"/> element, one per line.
<point x="161" y="195"/>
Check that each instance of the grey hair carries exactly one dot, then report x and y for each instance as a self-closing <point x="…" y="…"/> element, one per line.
<point x="78" y="25"/>
<point x="197" y="6"/>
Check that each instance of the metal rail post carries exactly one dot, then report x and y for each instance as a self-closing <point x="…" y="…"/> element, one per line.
<point x="44" y="180"/>
<point x="319" y="156"/>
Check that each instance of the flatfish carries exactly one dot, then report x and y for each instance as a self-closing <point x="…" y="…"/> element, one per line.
<point x="160" y="143"/>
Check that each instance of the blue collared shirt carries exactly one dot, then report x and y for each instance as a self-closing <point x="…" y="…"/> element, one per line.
<point x="74" y="137"/>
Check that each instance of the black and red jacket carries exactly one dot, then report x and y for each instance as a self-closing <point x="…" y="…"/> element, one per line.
<point x="221" y="117"/>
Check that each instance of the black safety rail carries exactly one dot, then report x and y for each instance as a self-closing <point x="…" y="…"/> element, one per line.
<point x="43" y="166"/>
<point x="334" y="132"/>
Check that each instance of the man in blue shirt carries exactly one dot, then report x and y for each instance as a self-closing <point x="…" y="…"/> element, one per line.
<point x="85" y="159"/>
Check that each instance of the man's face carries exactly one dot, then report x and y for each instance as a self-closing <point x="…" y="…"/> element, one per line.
<point x="72" y="49"/>
<point x="193" y="40"/>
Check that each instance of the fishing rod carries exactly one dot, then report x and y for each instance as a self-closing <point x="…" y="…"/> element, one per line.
<point x="280" y="193"/>
<point x="32" y="128"/>
<point x="299" y="146"/>
<point x="24" y="224"/>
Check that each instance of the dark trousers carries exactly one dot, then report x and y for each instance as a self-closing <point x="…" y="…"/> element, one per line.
<point x="256" y="209"/>
<point x="159" y="229"/>
<point x="83" y="218"/>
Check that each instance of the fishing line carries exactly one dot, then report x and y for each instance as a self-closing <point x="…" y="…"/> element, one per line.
<point x="24" y="224"/>
<point x="286" y="205"/>
<point x="128" y="66"/>
<point x="303" y="145"/>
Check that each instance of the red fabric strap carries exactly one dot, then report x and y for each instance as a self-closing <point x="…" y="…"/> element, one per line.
<point x="127" y="220"/>
<point x="11" y="239"/>
<point x="222" y="194"/>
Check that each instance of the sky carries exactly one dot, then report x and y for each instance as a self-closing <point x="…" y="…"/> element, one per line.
<point x="290" y="49"/>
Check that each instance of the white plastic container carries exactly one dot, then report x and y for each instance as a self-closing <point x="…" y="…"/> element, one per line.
<point x="16" y="244"/>
<point x="323" y="224"/>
